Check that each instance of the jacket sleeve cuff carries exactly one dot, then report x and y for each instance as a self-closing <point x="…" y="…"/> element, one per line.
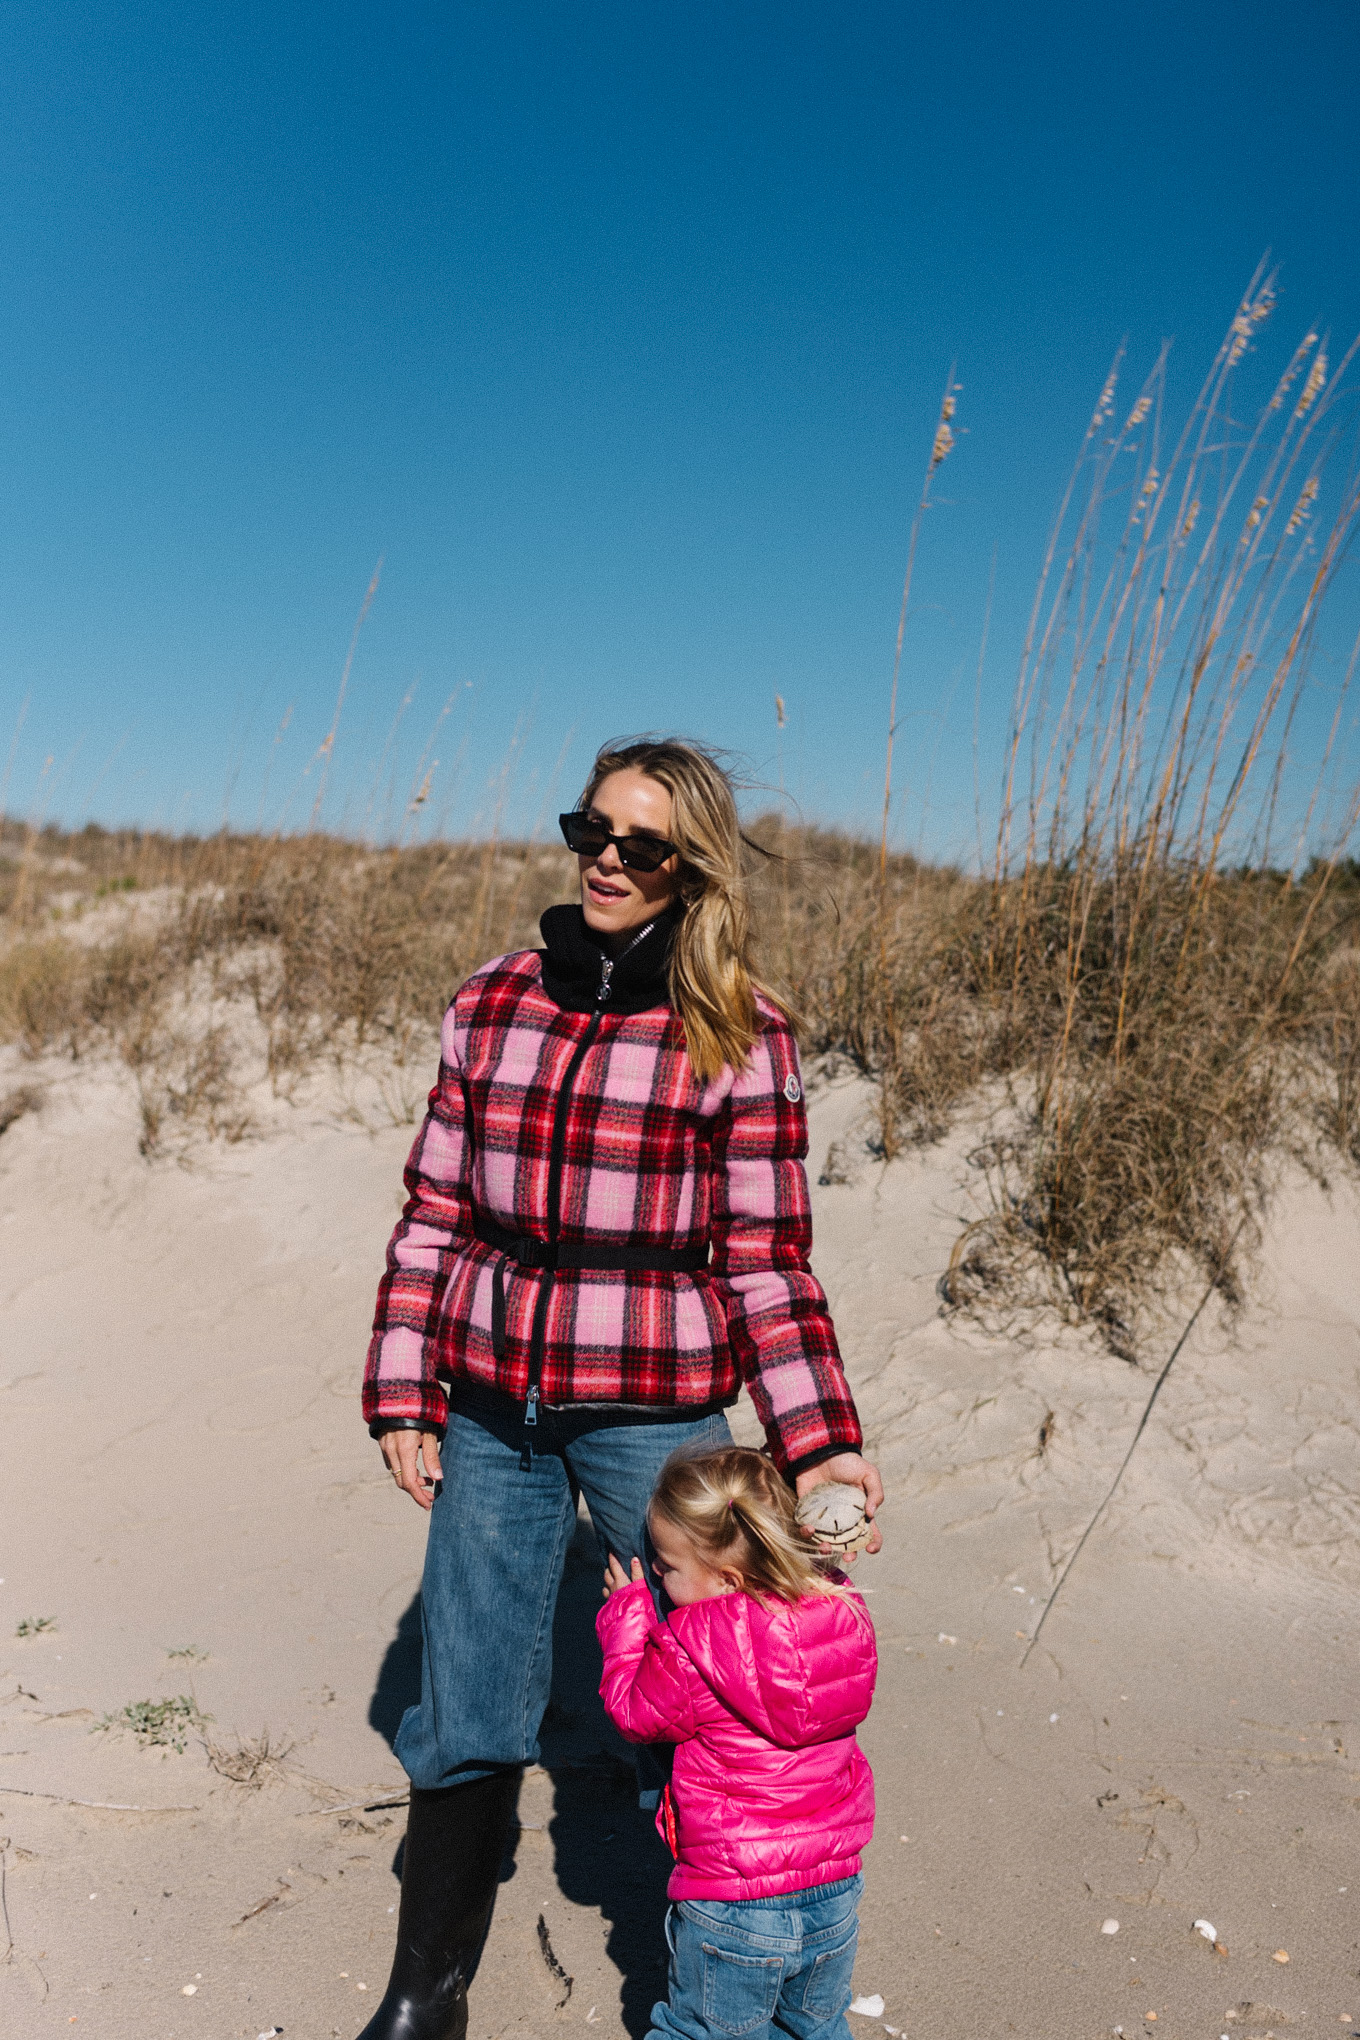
<point x="807" y="1460"/>
<point x="631" y="1607"/>
<point x="802" y="1438"/>
<point x="420" y="1403"/>
<point x="381" y="1424"/>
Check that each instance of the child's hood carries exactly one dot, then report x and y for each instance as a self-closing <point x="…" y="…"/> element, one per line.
<point x="797" y="1675"/>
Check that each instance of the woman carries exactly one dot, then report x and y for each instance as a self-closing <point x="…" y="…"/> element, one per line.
<point x="606" y="1234"/>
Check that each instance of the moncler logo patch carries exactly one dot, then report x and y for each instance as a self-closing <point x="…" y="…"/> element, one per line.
<point x="793" y="1090"/>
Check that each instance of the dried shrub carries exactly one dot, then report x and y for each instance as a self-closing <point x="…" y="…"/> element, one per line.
<point x="42" y="994"/>
<point x="338" y="954"/>
<point x="1174" y="1002"/>
<point x="1159" y="1057"/>
<point x="1336" y="1041"/>
<point x="24" y="1098"/>
<point x="187" y="1085"/>
<point x="253" y="1761"/>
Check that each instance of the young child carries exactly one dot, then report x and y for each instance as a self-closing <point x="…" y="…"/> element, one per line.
<point x="759" y="1674"/>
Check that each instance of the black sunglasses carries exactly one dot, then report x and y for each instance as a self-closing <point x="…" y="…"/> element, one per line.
<point x="589" y="838"/>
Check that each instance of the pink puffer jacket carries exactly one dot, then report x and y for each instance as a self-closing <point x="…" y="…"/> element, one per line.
<point x="771" y="1791"/>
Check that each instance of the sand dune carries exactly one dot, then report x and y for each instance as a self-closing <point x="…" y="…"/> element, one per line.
<point x="184" y="1470"/>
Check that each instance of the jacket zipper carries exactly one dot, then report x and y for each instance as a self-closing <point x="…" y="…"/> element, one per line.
<point x="555" y="1160"/>
<point x="607" y="964"/>
<point x="556" y="1156"/>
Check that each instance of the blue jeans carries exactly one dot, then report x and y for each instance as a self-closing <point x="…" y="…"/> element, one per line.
<point x="497" y="1548"/>
<point x="745" y="1966"/>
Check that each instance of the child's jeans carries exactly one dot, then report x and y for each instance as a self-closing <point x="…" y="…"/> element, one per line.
<point x="737" y="1966"/>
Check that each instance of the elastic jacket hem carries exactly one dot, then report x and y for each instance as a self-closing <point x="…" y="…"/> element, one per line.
<point x="476" y="1399"/>
<point x="686" y="1883"/>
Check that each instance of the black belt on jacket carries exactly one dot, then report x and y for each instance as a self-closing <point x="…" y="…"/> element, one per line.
<point x="547" y="1256"/>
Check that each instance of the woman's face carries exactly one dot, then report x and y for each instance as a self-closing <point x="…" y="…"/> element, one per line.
<point x="616" y="902"/>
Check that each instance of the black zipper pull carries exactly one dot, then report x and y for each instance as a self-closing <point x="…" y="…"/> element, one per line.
<point x="607" y="963"/>
<point x="526" y="1457"/>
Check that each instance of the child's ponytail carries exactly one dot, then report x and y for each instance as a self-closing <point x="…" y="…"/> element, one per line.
<point x="738" y="1512"/>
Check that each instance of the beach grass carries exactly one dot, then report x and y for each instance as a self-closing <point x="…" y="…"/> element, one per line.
<point x="1149" y="1071"/>
<point x="1151" y="977"/>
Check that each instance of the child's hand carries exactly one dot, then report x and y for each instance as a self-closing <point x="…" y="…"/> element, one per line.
<point x="615" y="1576"/>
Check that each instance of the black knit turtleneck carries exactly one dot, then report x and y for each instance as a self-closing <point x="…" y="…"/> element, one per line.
<point x="575" y="976"/>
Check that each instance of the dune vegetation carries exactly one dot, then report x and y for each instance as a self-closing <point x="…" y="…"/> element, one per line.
<point x="1148" y="985"/>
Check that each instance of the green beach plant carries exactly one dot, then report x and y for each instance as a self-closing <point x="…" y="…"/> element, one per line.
<point x="156" y="1724"/>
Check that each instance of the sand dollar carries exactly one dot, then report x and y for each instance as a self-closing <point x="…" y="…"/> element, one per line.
<point x="833" y="1516"/>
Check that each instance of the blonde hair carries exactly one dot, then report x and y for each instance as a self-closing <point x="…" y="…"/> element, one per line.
<point x="712" y="986"/>
<point x="737" y="1512"/>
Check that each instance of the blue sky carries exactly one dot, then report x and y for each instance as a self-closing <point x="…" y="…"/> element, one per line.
<point x="618" y="333"/>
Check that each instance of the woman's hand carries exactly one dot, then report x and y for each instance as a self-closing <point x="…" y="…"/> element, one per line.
<point x="852" y="1470"/>
<point x="615" y="1576"/>
<point x="404" y="1452"/>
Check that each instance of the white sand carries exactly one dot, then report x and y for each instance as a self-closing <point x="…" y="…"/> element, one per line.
<point x="183" y="1464"/>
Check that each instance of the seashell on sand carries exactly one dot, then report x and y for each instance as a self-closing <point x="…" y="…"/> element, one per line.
<point x="833" y="1516"/>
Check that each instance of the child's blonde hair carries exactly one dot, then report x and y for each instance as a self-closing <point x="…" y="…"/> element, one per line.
<point x="738" y="1513"/>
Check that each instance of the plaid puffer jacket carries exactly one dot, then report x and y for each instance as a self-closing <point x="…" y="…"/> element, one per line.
<point x="587" y="1130"/>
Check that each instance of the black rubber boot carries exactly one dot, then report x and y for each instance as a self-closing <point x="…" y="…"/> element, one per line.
<point x="454" y="1842"/>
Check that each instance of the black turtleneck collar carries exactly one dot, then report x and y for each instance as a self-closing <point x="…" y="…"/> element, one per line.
<point x="581" y="977"/>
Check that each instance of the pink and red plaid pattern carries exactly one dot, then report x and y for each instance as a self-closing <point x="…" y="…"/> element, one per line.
<point x="652" y="1159"/>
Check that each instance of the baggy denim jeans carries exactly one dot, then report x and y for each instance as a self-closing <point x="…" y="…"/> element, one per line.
<point x="497" y="1547"/>
<point x="744" y="1967"/>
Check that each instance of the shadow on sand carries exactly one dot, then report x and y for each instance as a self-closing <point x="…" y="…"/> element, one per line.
<point x="398" y="1684"/>
<point x="607" y="1853"/>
